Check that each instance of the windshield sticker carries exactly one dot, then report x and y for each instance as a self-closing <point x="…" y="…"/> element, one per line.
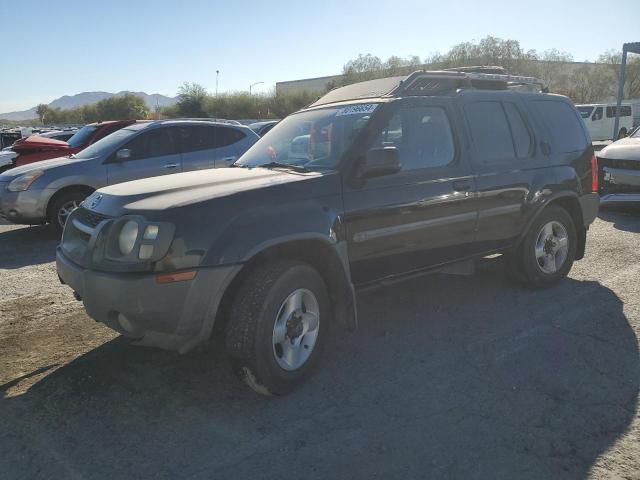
<point x="357" y="109"/>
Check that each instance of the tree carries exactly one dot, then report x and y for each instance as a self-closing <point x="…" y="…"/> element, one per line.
<point x="41" y="111"/>
<point x="191" y="99"/>
<point x="127" y="107"/>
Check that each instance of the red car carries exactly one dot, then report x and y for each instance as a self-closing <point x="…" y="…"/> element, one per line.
<point x="34" y="149"/>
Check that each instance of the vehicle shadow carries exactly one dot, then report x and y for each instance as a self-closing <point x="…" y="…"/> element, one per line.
<point x="623" y="218"/>
<point x="25" y="246"/>
<point x="444" y="379"/>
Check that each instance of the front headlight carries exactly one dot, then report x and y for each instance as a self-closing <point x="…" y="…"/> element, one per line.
<point x="23" y="182"/>
<point x="130" y="240"/>
<point x="128" y="236"/>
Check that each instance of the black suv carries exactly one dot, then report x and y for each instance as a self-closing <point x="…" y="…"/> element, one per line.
<point x="373" y="182"/>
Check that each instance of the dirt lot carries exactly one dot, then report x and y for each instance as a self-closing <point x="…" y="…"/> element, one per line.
<point x="448" y="377"/>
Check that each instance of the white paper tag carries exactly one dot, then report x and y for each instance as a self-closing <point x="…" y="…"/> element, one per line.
<point x="361" y="109"/>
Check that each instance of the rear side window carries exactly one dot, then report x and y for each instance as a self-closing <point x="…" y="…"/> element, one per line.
<point x="228" y="136"/>
<point x="625" y="111"/>
<point x="563" y="124"/>
<point x="194" y="138"/>
<point x="490" y="132"/>
<point x="521" y="136"/>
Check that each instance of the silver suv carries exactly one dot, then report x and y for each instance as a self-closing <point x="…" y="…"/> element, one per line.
<point x="49" y="190"/>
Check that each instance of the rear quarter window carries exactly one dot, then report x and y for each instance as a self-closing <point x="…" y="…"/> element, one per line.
<point x="563" y="124"/>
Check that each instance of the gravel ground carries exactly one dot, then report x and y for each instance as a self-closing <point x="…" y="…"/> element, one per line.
<point x="447" y="377"/>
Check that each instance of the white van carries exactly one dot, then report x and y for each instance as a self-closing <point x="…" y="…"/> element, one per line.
<point x="600" y="119"/>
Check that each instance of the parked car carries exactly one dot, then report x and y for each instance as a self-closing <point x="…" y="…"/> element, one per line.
<point x="62" y="135"/>
<point x="404" y="176"/>
<point x="599" y="119"/>
<point x="49" y="190"/>
<point x="261" y="128"/>
<point x="620" y="170"/>
<point x="8" y="155"/>
<point x="36" y="148"/>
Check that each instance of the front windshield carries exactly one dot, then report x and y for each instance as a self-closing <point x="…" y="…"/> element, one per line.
<point x="585" y="112"/>
<point x="81" y="137"/>
<point x="106" y="145"/>
<point x="315" y="139"/>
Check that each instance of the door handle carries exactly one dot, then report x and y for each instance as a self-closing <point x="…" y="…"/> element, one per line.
<point x="229" y="159"/>
<point x="461" y="186"/>
<point x="171" y="165"/>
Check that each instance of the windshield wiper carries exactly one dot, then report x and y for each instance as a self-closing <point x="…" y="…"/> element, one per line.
<point x="297" y="168"/>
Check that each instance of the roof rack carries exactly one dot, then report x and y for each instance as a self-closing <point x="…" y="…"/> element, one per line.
<point x="207" y="119"/>
<point x="433" y="83"/>
<point x="481" y="78"/>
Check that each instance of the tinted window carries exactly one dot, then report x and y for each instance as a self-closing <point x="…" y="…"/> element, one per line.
<point x="585" y="112"/>
<point x="625" y="111"/>
<point x="82" y="136"/>
<point x="490" y="132"/>
<point x="422" y="136"/>
<point x="155" y="143"/>
<point x="563" y="124"/>
<point x="519" y="131"/>
<point x="194" y="138"/>
<point x="228" y="136"/>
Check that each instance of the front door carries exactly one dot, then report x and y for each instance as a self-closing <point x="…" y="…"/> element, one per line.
<point x="422" y="216"/>
<point x="152" y="152"/>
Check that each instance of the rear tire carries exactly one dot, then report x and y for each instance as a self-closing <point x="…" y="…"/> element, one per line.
<point x="546" y="254"/>
<point x="278" y="324"/>
<point x="62" y="206"/>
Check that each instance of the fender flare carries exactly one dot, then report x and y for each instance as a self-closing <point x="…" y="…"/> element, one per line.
<point x="580" y="228"/>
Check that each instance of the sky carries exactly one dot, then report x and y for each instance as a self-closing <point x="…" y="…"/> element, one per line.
<point x="57" y="48"/>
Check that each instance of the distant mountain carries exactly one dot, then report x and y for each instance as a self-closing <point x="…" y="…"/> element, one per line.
<point x="86" y="98"/>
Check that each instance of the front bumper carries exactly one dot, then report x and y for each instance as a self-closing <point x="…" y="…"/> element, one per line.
<point x="175" y="316"/>
<point x="28" y="207"/>
<point x="620" y="185"/>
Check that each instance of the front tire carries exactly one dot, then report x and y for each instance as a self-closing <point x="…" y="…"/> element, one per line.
<point x="61" y="208"/>
<point x="278" y="325"/>
<point x="547" y="252"/>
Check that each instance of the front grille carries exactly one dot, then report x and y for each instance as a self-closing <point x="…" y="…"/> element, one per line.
<point x="90" y="218"/>
<point x="75" y="241"/>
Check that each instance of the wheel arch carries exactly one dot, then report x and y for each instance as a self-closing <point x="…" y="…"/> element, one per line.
<point x="69" y="188"/>
<point x="327" y="257"/>
<point x="569" y="202"/>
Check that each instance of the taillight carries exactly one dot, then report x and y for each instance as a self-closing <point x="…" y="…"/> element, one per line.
<point x="594" y="173"/>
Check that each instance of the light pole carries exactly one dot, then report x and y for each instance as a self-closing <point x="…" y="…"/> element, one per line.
<point x="253" y="85"/>
<point x="217" y="75"/>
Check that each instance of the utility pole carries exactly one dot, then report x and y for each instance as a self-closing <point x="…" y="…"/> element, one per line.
<point x="217" y="75"/>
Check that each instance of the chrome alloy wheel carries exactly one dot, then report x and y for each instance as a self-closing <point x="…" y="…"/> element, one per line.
<point x="296" y="329"/>
<point x="552" y="247"/>
<point x="66" y="210"/>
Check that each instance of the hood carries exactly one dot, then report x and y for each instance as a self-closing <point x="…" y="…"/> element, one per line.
<point x="41" y="165"/>
<point x="624" y="149"/>
<point x="34" y="143"/>
<point x="180" y="189"/>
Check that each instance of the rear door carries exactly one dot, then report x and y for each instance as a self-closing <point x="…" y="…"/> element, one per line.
<point x="209" y="146"/>
<point x="153" y="153"/>
<point x="504" y="159"/>
<point x="425" y="214"/>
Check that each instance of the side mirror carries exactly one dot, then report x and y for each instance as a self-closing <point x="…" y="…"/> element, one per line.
<point x="379" y="162"/>
<point x="123" y="154"/>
